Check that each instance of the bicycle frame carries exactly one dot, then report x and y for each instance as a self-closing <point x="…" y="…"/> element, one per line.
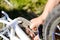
<point x="13" y="24"/>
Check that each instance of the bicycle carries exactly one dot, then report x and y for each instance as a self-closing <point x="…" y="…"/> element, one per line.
<point x="11" y="29"/>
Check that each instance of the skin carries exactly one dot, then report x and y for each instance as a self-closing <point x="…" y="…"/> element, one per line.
<point x="40" y="20"/>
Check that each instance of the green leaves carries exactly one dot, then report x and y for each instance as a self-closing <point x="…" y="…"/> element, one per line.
<point x="35" y="6"/>
<point x="19" y="4"/>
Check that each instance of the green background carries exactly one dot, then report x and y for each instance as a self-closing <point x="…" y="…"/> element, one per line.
<point x="25" y="6"/>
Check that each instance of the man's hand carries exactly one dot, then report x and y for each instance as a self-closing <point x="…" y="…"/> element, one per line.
<point x="36" y="22"/>
<point x="36" y="38"/>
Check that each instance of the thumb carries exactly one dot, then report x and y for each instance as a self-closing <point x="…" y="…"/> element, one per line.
<point x="32" y="26"/>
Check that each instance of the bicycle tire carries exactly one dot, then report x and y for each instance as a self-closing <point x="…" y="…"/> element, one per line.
<point x="3" y="30"/>
<point x="50" y="23"/>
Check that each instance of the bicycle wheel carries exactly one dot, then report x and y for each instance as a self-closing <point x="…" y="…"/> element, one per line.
<point x="51" y="27"/>
<point x="3" y="30"/>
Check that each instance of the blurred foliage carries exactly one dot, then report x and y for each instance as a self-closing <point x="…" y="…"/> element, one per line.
<point x="35" y="6"/>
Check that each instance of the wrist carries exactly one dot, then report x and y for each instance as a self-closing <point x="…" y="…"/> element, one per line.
<point x="42" y="17"/>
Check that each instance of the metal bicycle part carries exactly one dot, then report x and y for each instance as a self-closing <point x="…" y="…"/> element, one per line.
<point x="17" y="29"/>
<point x="3" y="31"/>
<point x="16" y="24"/>
<point x="24" y="24"/>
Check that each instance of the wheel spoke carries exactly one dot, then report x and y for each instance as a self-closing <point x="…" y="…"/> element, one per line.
<point x="4" y="37"/>
<point x="58" y="27"/>
<point x="57" y="34"/>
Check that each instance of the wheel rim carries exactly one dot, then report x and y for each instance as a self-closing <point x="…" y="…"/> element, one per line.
<point x="55" y="34"/>
<point x="3" y="30"/>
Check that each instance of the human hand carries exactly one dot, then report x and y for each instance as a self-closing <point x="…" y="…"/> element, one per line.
<point x="36" y="22"/>
<point x="36" y="38"/>
<point x="30" y="33"/>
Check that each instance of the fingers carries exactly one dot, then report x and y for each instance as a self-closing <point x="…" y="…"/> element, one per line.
<point x="30" y="33"/>
<point x="36" y="37"/>
<point x="32" y="25"/>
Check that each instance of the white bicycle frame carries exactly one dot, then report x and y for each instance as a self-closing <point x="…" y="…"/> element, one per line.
<point x="15" y="29"/>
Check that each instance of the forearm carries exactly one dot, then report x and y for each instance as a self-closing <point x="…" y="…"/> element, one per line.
<point x="49" y="6"/>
